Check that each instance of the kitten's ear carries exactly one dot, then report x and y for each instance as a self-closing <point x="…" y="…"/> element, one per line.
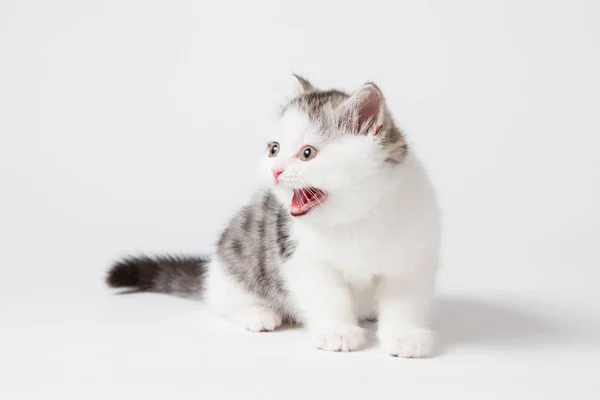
<point x="303" y="84"/>
<point x="364" y="111"/>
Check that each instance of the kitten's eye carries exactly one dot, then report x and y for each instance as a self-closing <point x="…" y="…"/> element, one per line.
<point x="308" y="153"/>
<point x="273" y="149"/>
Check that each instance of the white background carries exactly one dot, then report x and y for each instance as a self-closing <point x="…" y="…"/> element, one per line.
<point x="130" y="126"/>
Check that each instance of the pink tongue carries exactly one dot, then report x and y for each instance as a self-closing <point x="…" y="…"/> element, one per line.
<point x="297" y="200"/>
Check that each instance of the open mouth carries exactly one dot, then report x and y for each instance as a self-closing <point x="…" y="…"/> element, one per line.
<point x="306" y="199"/>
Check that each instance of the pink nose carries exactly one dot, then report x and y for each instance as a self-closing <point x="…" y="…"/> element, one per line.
<point x="276" y="175"/>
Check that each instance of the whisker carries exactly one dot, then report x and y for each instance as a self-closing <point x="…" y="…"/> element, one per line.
<point x="315" y="195"/>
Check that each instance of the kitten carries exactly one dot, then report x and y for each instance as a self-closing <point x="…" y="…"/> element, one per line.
<point x="347" y="229"/>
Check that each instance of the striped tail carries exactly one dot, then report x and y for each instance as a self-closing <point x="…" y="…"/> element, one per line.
<point x="171" y="274"/>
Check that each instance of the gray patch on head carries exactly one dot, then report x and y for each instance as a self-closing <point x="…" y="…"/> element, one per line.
<point x="319" y="106"/>
<point x="255" y="245"/>
<point x="317" y="103"/>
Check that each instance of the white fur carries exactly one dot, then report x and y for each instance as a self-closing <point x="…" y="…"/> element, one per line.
<point x="371" y="249"/>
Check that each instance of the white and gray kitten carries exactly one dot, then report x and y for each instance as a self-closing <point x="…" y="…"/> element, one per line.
<point x="347" y="229"/>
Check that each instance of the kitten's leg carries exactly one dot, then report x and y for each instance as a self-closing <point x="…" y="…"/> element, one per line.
<point x="404" y="307"/>
<point x="231" y="300"/>
<point x="326" y="305"/>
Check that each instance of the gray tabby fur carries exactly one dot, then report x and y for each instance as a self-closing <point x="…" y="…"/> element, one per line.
<point x="255" y="244"/>
<point x="252" y="248"/>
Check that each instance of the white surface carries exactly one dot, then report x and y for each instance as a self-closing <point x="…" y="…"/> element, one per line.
<point x="133" y="126"/>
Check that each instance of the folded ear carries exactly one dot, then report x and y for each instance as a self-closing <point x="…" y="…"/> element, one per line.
<point x="304" y="84"/>
<point x="364" y="111"/>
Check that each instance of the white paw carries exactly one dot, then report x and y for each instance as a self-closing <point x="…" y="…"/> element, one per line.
<point x="341" y="338"/>
<point x="412" y="344"/>
<point x="258" y="320"/>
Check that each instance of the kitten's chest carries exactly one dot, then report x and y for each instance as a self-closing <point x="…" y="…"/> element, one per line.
<point x="361" y="251"/>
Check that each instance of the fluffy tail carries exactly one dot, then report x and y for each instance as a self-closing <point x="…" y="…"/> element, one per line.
<point x="177" y="275"/>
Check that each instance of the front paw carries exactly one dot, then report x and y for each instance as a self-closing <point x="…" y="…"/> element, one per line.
<point x="412" y="344"/>
<point x="339" y="338"/>
<point x="258" y="319"/>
